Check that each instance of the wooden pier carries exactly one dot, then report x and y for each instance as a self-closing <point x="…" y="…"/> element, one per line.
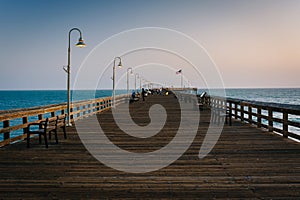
<point x="246" y="162"/>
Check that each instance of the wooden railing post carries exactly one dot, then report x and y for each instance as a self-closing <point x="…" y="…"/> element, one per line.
<point x="230" y="109"/>
<point x="235" y="110"/>
<point x="71" y="113"/>
<point x="83" y="107"/>
<point x="250" y="114"/>
<point x="270" y="120"/>
<point x="40" y="116"/>
<point x="242" y="112"/>
<point x="94" y="110"/>
<point x="6" y="135"/>
<point x="25" y="121"/>
<point x="258" y="117"/>
<point x="285" y="124"/>
<point x="98" y="106"/>
<point x="78" y="113"/>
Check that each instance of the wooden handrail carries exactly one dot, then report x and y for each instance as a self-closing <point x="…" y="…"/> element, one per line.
<point x="262" y="114"/>
<point x="79" y="109"/>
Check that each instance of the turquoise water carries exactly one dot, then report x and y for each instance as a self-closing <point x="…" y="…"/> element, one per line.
<point x="31" y="98"/>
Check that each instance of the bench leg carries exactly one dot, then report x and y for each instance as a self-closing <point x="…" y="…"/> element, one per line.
<point x="56" y="139"/>
<point x="55" y="135"/>
<point x="28" y="140"/>
<point x="65" y="132"/>
<point x="46" y="141"/>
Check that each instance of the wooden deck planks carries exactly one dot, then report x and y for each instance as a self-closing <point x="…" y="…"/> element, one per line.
<point x="245" y="163"/>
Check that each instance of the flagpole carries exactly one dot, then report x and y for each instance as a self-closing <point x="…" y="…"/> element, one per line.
<point x="181" y="80"/>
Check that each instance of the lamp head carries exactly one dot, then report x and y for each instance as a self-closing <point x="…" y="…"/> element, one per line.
<point x="130" y="71"/>
<point x="80" y="43"/>
<point x="120" y="64"/>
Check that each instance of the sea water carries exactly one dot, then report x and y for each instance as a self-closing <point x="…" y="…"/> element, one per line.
<point x="30" y="98"/>
<point x="25" y="99"/>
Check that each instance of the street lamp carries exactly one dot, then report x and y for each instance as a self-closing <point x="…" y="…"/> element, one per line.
<point x="114" y="76"/>
<point x="129" y="69"/>
<point x="80" y="44"/>
<point x="141" y="83"/>
<point x="136" y="76"/>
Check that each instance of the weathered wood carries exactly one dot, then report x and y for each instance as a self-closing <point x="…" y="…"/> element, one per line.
<point x="40" y="111"/>
<point x="236" y="110"/>
<point x="6" y="134"/>
<point x="25" y="121"/>
<point x="242" y="112"/>
<point x="258" y="117"/>
<point x="285" y="125"/>
<point x="262" y="107"/>
<point x="246" y="163"/>
<point x="270" y="120"/>
<point x="250" y="114"/>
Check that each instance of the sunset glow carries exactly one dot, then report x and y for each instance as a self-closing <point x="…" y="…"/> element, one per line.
<point x="253" y="43"/>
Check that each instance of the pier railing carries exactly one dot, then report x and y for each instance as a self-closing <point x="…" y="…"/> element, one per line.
<point x="280" y="118"/>
<point x="13" y="123"/>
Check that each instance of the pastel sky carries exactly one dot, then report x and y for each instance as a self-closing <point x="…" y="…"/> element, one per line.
<point x="253" y="43"/>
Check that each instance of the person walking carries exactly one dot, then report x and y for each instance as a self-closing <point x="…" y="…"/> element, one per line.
<point x="143" y="94"/>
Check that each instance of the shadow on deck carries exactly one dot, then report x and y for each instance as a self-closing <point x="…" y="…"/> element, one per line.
<point x="245" y="163"/>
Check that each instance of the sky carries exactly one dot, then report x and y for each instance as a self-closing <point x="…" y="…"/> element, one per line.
<point x="252" y="44"/>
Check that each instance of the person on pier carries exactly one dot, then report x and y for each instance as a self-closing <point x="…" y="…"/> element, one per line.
<point x="143" y="94"/>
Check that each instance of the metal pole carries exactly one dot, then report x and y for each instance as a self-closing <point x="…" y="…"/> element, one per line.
<point x="128" y="79"/>
<point x="135" y="82"/>
<point x="181" y="79"/>
<point x="69" y="76"/>
<point x="68" y="86"/>
<point x="127" y="82"/>
<point x="114" y="76"/>
<point x="140" y="83"/>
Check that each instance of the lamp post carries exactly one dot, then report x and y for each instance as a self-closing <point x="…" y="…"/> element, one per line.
<point x="80" y="44"/>
<point x="114" y="77"/>
<point x="136" y="76"/>
<point x="141" y="83"/>
<point x="181" y="74"/>
<point x="129" y="69"/>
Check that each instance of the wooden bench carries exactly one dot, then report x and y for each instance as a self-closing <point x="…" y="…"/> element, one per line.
<point x="200" y="98"/>
<point x="60" y="123"/>
<point x="134" y="99"/>
<point x="41" y="129"/>
<point x="200" y="106"/>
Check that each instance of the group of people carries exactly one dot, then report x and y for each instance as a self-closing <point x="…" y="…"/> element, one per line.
<point x="145" y="92"/>
<point x="135" y="95"/>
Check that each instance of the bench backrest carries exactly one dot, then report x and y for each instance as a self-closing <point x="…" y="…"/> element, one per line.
<point x="60" y="120"/>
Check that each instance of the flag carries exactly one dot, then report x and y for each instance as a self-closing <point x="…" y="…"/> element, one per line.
<point x="179" y="71"/>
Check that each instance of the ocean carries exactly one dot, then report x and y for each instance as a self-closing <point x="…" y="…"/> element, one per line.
<point x="273" y="95"/>
<point x="25" y="99"/>
<point x="30" y="98"/>
<point x="15" y="99"/>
